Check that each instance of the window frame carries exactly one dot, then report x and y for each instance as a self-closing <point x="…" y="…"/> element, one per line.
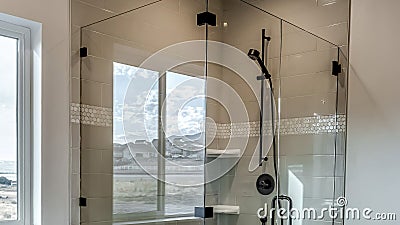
<point x="24" y="112"/>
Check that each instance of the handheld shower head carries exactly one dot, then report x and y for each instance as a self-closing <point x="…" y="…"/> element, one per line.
<point x="255" y="55"/>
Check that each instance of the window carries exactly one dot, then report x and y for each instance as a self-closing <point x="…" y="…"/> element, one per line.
<point x="14" y="124"/>
<point x="138" y="194"/>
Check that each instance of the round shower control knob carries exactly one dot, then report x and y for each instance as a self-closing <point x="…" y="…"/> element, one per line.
<point x="265" y="184"/>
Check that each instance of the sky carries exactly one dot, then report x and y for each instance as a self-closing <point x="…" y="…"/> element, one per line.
<point x="136" y="104"/>
<point x="8" y="92"/>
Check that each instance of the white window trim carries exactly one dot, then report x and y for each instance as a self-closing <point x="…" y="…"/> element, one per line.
<point x="24" y="133"/>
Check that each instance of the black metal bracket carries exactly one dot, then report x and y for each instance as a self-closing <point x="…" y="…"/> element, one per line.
<point x="336" y="68"/>
<point x="82" y="202"/>
<point x="261" y="77"/>
<point x="204" y="212"/>
<point x="83" y="52"/>
<point x="264" y="36"/>
<point x="206" y="18"/>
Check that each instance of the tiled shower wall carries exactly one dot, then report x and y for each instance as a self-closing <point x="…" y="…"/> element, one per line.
<point x="306" y="60"/>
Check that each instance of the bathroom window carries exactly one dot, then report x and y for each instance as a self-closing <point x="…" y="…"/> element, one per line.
<point x="14" y="125"/>
<point x="144" y="186"/>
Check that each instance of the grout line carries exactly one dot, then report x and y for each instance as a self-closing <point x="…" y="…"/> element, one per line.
<point x="308" y="52"/>
<point x="93" y="81"/>
<point x="313" y="95"/>
<point x="95" y="6"/>
<point x="120" y="14"/>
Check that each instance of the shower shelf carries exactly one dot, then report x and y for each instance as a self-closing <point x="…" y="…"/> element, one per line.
<point x="226" y="209"/>
<point x="225" y="153"/>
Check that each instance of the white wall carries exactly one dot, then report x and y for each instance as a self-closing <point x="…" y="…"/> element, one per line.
<point x="52" y="147"/>
<point x="373" y="113"/>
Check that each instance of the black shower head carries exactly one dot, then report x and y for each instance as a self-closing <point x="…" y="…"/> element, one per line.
<point x="255" y="55"/>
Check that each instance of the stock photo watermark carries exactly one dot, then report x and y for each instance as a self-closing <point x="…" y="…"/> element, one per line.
<point x="336" y="211"/>
<point x="180" y="112"/>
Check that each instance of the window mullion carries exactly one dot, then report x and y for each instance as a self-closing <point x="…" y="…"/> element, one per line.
<point x="162" y="89"/>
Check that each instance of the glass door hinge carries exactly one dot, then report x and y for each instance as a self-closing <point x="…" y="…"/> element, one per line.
<point x="206" y="18"/>
<point x="82" y="201"/>
<point x="83" y="52"/>
<point x="336" y="68"/>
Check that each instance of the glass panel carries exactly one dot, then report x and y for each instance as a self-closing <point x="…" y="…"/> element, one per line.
<point x="307" y="123"/>
<point x="234" y="93"/>
<point x="8" y="132"/>
<point x="139" y="73"/>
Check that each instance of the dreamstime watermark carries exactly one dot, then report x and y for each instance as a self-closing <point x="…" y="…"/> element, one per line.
<point x="336" y="212"/>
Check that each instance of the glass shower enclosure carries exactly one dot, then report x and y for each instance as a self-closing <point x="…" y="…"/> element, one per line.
<point x="169" y="116"/>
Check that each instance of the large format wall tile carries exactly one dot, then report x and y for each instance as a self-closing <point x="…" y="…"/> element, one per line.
<point x="99" y="210"/>
<point x="315" y="165"/>
<point x="95" y="137"/>
<point x="97" y="161"/>
<point x="308" y="84"/>
<point x="97" y="69"/>
<point x="309" y="62"/>
<point x="298" y="42"/>
<point x="308" y="106"/>
<point x="315" y="144"/>
<point x="96" y="185"/>
<point x="91" y="93"/>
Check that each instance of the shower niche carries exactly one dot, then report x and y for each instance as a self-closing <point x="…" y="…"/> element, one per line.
<point x="174" y="116"/>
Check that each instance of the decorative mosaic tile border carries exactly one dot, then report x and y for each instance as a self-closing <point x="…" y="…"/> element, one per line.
<point x="91" y="115"/>
<point x="297" y="126"/>
<point x="101" y="116"/>
<point x="313" y="125"/>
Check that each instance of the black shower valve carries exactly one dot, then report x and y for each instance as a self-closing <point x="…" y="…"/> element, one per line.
<point x="265" y="184"/>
